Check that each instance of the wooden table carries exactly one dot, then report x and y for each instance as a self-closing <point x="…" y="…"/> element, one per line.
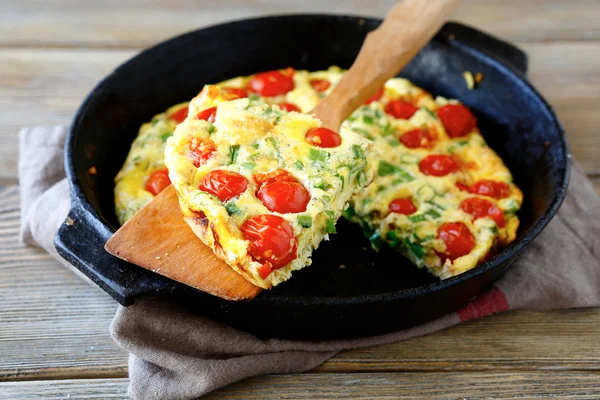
<point x="54" y="340"/>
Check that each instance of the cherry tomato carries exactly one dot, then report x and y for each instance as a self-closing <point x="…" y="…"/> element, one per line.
<point x="271" y="83"/>
<point x="320" y="85"/>
<point x="495" y="189"/>
<point x="323" y="137"/>
<point x="463" y="187"/>
<point x="482" y="208"/>
<point x="278" y="175"/>
<point x="457" y="119"/>
<point x="223" y="184"/>
<point x="417" y="138"/>
<point x="239" y="93"/>
<point x="400" y="109"/>
<point x="281" y="192"/>
<point x="202" y="150"/>
<point x="272" y="240"/>
<point x="158" y="181"/>
<point x="402" y="206"/>
<point x="207" y="115"/>
<point x="375" y="97"/>
<point x="458" y="239"/>
<point x="289" y="107"/>
<point x="179" y="115"/>
<point x="438" y="165"/>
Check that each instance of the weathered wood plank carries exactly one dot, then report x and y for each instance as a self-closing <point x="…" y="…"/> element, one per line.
<point x="434" y="386"/>
<point x="46" y="87"/>
<point x="123" y="23"/>
<point x="55" y="326"/>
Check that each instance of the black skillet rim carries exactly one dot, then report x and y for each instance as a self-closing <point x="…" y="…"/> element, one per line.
<point x="505" y="255"/>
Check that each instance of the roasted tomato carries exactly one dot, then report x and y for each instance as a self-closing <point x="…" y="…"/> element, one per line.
<point x="457" y="119"/>
<point x="201" y="151"/>
<point x="223" y="184"/>
<point x="375" y="97"/>
<point x="400" y="109"/>
<point x="282" y="193"/>
<point x="158" y="181"/>
<point x="207" y="115"/>
<point x="271" y="83"/>
<point x="180" y="115"/>
<point x="458" y="239"/>
<point x="272" y="241"/>
<point x="438" y="165"/>
<point x="289" y="107"/>
<point x="239" y="93"/>
<point x="320" y="85"/>
<point x="482" y="208"/>
<point x="495" y="189"/>
<point x="323" y="137"/>
<point x="417" y="138"/>
<point x="403" y="206"/>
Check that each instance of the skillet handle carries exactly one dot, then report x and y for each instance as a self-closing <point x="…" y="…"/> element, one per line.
<point x="503" y="51"/>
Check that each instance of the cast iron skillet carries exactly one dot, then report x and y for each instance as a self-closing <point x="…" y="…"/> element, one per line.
<point x="349" y="290"/>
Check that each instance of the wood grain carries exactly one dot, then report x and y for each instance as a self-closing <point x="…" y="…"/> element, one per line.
<point x="157" y="238"/>
<point x="377" y="386"/>
<point x="126" y="23"/>
<point x="53" y="83"/>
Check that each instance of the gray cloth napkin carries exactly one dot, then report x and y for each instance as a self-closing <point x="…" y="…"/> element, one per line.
<point x="175" y="354"/>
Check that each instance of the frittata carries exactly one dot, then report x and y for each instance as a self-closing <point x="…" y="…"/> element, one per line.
<point x="439" y="195"/>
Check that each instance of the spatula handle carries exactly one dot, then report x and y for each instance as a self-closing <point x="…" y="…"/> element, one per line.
<point x="408" y="26"/>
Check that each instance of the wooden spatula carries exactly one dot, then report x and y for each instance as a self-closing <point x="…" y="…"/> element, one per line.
<point x="158" y="239"/>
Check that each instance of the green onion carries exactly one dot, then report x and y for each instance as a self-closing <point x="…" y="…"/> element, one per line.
<point x="253" y="97"/>
<point x="349" y="212"/>
<point x="392" y="141"/>
<point x="414" y="248"/>
<point x="428" y="111"/>
<point x="512" y="207"/>
<point x="462" y="142"/>
<point x="358" y="151"/>
<point x="361" y="178"/>
<point x="376" y="241"/>
<point x="298" y="164"/>
<point x="273" y="142"/>
<point x="330" y="228"/>
<point x="233" y="153"/>
<point x="367" y="119"/>
<point x="494" y="230"/>
<point x="165" y="136"/>
<point x="323" y="186"/>
<point x="409" y="158"/>
<point x="232" y="208"/>
<point x="305" y="221"/>
<point x="422" y="217"/>
<point x="211" y="128"/>
<point x="318" y="155"/>
<point x="248" y="165"/>
<point x="385" y="169"/>
<point x="393" y="238"/>
<point x="388" y="130"/>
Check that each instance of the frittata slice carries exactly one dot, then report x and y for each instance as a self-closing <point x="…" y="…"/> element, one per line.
<point x="262" y="186"/>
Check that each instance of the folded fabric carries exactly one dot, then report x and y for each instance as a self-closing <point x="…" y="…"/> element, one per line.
<point x="175" y="354"/>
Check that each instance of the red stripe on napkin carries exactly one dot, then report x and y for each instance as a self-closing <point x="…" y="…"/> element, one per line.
<point x="491" y="302"/>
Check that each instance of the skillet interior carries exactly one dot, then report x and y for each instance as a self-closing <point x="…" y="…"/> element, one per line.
<point x="373" y="292"/>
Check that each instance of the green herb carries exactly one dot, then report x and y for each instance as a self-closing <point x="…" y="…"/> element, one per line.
<point x="298" y="164"/>
<point x="273" y="142"/>
<point x="330" y="228"/>
<point x="248" y="165"/>
<point x="392" y="141"/>
<point x="232" y="208"/>
<point x="323" y="186"/>
<point x="388" y="129"/>
<point x="253" y="97"/>
<point x="512" y="207"/>
<point x="358" y="151"/>
<point x="426" y="192"/>
<point x="425" y="239"/>
<point x="428" y="111"/>
<point x="361" y="178"/>
<point x="414" y="248"/>
<point x="367" y="119"/>
<point x="385" y="169"/>
<point x="462" y="142"/>
<point x="450" y="149"/>
<point x="409" y="158"/>
<point x="376" y="241"/>
<point x="422" y="217"/>
<point x="363" y="132"/>
<point x="165" y="136"/>
<point x="305" y="221"/>
<point x="349" y="212"/>
<point x="211" y="128"/>
<point x="381" y="188"/>
<point x="494" y="230"/>
<point x="255" y="145"/>
<point x="233" y="153"/>
<point x="341" y="177"/>
<point x="393" y="238"/>
<point x="364" y="202"/>
<point x="318" y="155"/>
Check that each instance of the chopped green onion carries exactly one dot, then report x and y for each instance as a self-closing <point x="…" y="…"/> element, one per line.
<point x="409" y="158"/>
<point x="422" y="217"/>
<point x="165" y="136"/>
<point x="273" y="142"/>
<point x="428" y="111"/>
<point x="211" y="128"/>
<point x="323" y="186"/>
<point x="358" y="151"/>
<point x="392" y="141"/>
<point x="330" y="228"/>
<point x="233" y="153"/>
<point x="385" y="169"/>
<point x="232" y="208"/>
<point x="298" y="164"/>
<point x="367" y="119"/>
<point x="361" y="178"/>
<point x="349" y="212"/>
<point x="462" y="142"/>
<point x="305" y="221"/>
<point x="494" y="230"/>
<point x="318" y="155"/>
<point x="376" y="241"/>
<point x="414" y="248"/>
<point x="248" y="165"/>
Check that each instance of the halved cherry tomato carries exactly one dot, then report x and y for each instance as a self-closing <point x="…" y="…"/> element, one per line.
<point x="202" y="150"/>
<point x="158" y="181"/>
<point x="320" y="85"/>
<point x="179" y="115"/>
<point x="495" y="189"/>
<point x="463" y="187"/>
<point x="458" y="239"/>
<point x="402" y="206"/>
<point x="375" y="97"/>
<point x="289" y="107"/>
<point x="277" y="175"/>
<point x="417" y="138"/>
<point x="457" y="119"/>
<point x="482" y="208"/>
<point x="400" y="109"/>
<point x="271" y="83"/>
<point x="207" y="115"/>
<point x="438" y="165"/>
<point x="323" y="137"/>
<point x="238" y="92"/>
<point x="223" y="184"/>
<point x="284" y="197"/>
<point x="272" y="240"/>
